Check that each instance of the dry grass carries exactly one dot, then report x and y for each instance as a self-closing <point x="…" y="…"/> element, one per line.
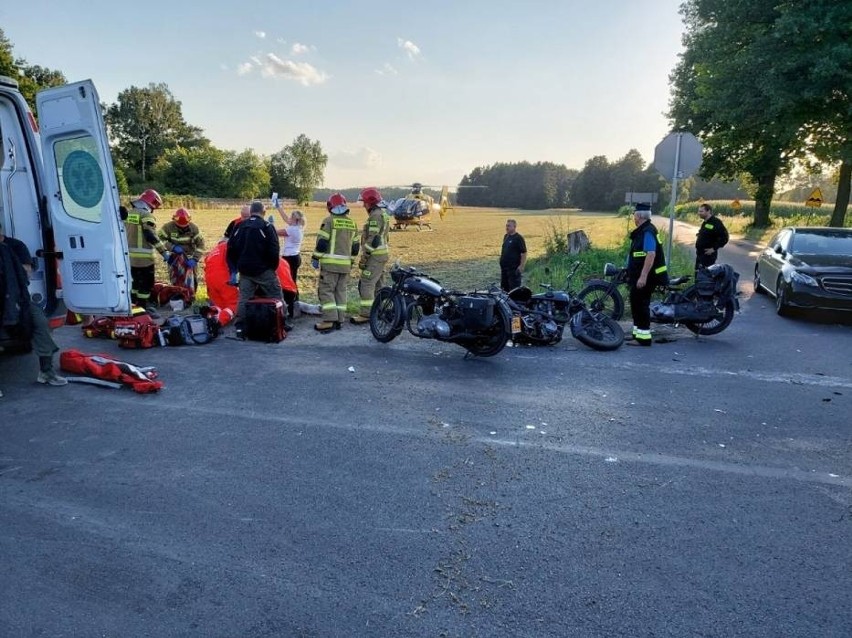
<point x="462" y="251"/>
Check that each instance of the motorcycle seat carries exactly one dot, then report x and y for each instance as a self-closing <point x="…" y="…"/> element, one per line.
<point x="677" y="281"/>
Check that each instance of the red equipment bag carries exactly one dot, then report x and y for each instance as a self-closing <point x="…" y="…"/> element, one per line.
<point x="136" y="332"/>
<point x="264" y="320"/>
<point x="102" y="366"/>
<point x="163" y="293"/>
<point x="99" y="327"/>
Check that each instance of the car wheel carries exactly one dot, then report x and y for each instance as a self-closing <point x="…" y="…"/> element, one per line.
<point x="781" y="305"/>
<point x="758" y="289"/>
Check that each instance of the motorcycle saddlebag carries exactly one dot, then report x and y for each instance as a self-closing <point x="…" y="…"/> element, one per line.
<point x="477" y="312"/>
<point x="264" y="320"/>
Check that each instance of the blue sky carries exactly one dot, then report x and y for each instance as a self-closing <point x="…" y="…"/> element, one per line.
<point x="394" y="93"/>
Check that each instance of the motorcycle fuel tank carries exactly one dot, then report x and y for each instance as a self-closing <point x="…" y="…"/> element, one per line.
<point x="422" y="286"/>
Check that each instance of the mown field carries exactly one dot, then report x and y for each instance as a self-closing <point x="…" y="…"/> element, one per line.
<point x="462" y="250"/>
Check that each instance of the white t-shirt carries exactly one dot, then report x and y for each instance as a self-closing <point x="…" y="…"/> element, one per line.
<point x="293" y="241"/>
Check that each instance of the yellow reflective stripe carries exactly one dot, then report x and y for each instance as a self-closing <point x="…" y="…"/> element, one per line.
<point x="661" y="269"/>
<point x="133" y="218"/>
<point x="330" y="260"/>
<point x="329" y="306"/>
<point x="709" y="226"/>
<point x="342" y="308"/>
<point x="640" y="253"/>
<point x="381" y="250"/>
<point x="323" y="234"/>
<point x="138" y="251"/>
<point x="366" y="303"/>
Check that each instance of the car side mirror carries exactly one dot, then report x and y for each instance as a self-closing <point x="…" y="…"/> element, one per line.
<point x="779" y="250"/>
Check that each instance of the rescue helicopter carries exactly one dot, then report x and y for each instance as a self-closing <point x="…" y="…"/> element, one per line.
<point x="416" y="208"/>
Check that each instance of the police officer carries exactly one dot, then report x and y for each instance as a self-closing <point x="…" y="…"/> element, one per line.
<point x="646" y="269"/>
<point x="374" y="251"/>
<point x="337" y="245"/>
<point x="142" y="241"/>
<point x="712" y="235"/>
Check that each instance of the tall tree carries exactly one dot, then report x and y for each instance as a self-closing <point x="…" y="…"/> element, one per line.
<point x="248" y="174"/>
<point x="145" y="122"/>
<point x="593" y="187"/>
<point x="719" y="92"/>
<point x="813" y="78"/>
<point x="30" y="78"/>
<point x="298" y="169"/>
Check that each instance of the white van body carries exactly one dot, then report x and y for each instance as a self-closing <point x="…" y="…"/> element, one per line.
<point x="59" y="196"/>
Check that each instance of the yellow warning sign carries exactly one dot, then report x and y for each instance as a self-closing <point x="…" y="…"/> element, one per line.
<point x="815" y="199"/>
<point x="736" y="205"/>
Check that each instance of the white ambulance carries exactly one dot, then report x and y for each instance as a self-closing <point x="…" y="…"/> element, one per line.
<point x="58" y="195"/>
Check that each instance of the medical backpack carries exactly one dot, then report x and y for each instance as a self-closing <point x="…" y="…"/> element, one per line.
<point x="264" y="320"/>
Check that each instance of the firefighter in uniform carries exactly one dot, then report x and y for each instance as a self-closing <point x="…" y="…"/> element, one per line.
<point x="142" y="241"/>
<point x="374" y="252"/>
<point x="646" y="269"/>
<point x="337" y="246"/>
<point x="712" y="235"/>
<point x="185" y="242"/>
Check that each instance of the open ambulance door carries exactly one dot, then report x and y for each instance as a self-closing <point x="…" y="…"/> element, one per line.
<point x="82" y="201"/>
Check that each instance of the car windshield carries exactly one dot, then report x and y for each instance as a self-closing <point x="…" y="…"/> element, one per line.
<point x="825" y="243"/>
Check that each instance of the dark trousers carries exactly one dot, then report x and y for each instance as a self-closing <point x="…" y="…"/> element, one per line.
<point x="510" y="278"/>
<point x="143" y="282"/>
<point x="640" y="304"/>
<point x="702" y="260"/>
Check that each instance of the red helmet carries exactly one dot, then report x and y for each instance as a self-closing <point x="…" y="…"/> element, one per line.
<point x="336" y="204"/>
<point x="152" y="198"/>
<point x="182" y="217"/>
<point x="370" y="196"/>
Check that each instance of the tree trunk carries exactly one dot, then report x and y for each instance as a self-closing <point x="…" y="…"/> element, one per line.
<point x="763" y="199"/>
<point x="838" y="217"/>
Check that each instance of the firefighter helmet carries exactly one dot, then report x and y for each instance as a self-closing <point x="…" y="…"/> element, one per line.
<point x="152" y="198"/>
<point x="370" y="196"/>
<point x="182" y="217"/>
<point x="336" y="204"/>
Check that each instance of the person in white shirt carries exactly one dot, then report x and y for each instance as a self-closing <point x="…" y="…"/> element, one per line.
<point x="292" y="232"/>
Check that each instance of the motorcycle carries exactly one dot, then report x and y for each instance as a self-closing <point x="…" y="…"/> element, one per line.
<point x="705" y="308"/>
<point x="541" y="318"/>
<point x="480" y="322"/>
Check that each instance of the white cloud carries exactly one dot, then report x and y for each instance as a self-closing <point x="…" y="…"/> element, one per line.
<point x="411" y="49"/>
<point x="260" y="34"/>
<point x="302" y="72"/>
<point x="387" y="69"/>
<point x="244" y="68"/>
<point x="364" y="157"/>
<point x="299" y="48"/>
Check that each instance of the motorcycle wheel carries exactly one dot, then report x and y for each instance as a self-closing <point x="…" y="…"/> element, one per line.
<point x="715" y="326"/>
<point x="386" y="315"/>
<point x="599" y="298"/>
<point x="492" y="341"/>
<point x="597" y="330"/>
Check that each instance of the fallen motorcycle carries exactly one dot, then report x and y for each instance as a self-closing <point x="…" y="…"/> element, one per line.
<point x="480" y="322"/>
<point x="540" y="318"/>
<point x="706" y="308"/>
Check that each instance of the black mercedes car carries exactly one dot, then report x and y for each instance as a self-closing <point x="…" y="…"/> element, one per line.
<point x="807" y="267"/>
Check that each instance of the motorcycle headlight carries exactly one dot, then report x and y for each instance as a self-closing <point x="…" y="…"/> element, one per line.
<point x="802" y="278"/>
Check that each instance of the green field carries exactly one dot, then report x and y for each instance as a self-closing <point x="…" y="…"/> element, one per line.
<point x="462" y="250"/>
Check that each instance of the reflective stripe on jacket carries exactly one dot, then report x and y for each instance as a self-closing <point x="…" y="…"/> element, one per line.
<point x="340" y="234"/>
<point x="636" y="257"/>
<point x="374" y="237"/>
<point x="142" y="241"/>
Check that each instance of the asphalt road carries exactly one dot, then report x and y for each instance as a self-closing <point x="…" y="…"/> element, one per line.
<point x="334" y="486"/>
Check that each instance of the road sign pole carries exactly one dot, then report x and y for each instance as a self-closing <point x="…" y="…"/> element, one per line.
<point x="674" y="197"/>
